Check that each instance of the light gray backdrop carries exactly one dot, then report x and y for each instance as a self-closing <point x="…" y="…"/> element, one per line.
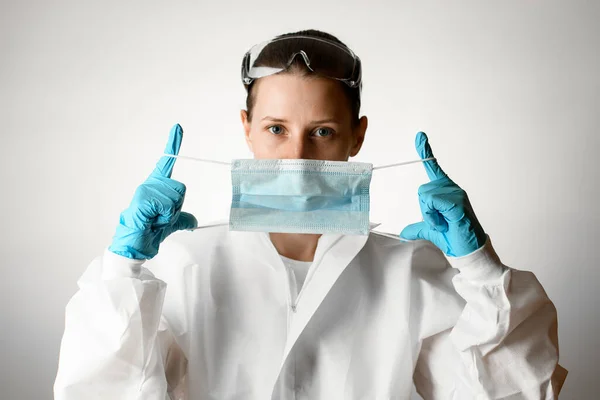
<point x="509" y="93"/>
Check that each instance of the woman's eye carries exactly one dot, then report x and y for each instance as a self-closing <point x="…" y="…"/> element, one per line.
<point x="323" y="132"/>
<point x="276" y="129"/>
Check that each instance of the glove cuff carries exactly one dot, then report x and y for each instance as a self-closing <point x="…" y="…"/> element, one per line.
<point x="482" y="264"/>
<point x="117" y="266"/>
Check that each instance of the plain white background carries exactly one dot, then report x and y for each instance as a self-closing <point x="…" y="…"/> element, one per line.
<point x="509" y="93"/>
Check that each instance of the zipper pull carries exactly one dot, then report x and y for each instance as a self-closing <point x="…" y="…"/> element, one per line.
<point x="293" y="307"/>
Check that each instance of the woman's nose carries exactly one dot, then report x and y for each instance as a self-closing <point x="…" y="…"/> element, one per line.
<point x="297" y="148"/>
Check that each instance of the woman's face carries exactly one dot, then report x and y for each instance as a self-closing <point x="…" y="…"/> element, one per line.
<point x="297" y="116"/>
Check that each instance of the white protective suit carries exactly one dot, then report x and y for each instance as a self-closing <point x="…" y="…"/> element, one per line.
<point x="210" y="318"/>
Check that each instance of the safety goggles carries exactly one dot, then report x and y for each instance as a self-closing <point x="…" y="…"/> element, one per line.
<point x="321" y="56"/>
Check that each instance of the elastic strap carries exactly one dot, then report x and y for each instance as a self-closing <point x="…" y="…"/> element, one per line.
<point x="196" y="159"/>
<point x="404" y="163"/>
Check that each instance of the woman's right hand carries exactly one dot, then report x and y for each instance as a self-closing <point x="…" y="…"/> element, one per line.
<point x="155" y="211"/>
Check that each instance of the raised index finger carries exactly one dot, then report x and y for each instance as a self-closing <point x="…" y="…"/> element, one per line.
<point x="164" y="166"/>
<point x="434" y="171"/>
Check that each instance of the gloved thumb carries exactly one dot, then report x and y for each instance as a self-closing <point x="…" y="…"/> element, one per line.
<point x="185" y="221"/>
<point x="418" y="231"/>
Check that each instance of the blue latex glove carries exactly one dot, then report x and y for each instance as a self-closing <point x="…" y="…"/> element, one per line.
<point x="449" y="220"/>
<point x="155" y="211"/>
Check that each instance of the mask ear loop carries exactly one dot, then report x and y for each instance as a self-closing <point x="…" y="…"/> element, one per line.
<point x="404" y="163"/>
<point x="212" y="224"/>
<point x="397" y="237"/>
<point x="197" y="159"/>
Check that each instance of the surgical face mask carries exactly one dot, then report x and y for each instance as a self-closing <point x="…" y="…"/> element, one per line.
<point x="300" y="196"/>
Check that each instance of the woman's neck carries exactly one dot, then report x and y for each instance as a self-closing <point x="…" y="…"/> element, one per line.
<point x="297" y="246"/>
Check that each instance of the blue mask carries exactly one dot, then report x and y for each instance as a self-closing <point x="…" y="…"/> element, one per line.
<point x="300" y="196"/>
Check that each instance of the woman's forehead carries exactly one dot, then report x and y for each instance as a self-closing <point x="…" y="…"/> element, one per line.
<point x="287" y="95"/>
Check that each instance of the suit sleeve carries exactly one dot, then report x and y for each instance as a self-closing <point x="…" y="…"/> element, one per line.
<point x="504" y="344"/>
<point x="116" y="344"/>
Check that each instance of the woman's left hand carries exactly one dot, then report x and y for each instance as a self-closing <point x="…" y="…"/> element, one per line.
<point x="448" y="218"/>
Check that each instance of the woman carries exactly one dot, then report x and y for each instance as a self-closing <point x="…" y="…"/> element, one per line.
<point x="221" y="314"/>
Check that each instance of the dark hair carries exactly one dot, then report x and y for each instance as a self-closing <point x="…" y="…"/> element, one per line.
<point x="299" y="67"/>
